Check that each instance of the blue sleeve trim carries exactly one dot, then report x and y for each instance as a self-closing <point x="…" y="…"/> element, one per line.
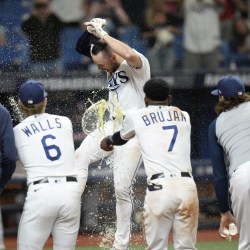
<point x="220" y="174"/>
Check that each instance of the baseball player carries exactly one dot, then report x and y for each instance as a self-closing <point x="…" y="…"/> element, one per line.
<point x="171" y="200"/>
<point x="229" y="145"/>
<point x="46" y="149"/>
<point x="8" y="156"/>
<point x="127" y="71"/>
<point x="8" y="151"/>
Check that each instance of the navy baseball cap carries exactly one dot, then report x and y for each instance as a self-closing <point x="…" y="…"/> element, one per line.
<point x="230" y="86"/>
<point x="32" y="92"/>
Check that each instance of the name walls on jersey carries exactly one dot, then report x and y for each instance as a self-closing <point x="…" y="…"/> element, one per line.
<point x="160" y="116"/>
<point x="117" y="79"/>
<point x="41" y="126"/>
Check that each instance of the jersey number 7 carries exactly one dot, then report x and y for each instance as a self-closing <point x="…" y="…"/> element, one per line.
<point x="173" y="127"/>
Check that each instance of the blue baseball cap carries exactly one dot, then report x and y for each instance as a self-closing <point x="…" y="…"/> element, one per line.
<point x="230" y="86"/>
<point x="32" y="92"/>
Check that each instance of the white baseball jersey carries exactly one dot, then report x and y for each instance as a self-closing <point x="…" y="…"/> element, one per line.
<point x="165" y="127"/>
<point x="126" y="88"/>
<point x="126" y="84"/>
<point x="163" y="133"/>
<point x="46" y="150"/>
<point x="40" y="141"/>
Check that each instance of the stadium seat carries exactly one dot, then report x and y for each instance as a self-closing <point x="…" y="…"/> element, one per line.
<point x="15" y="53"/>
<point x="12" y="12"/>
<point x="131" y="36"/>
<point x="70" y="58"/>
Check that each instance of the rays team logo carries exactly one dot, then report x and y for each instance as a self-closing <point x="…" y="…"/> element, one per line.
<point x="117" y="79"/>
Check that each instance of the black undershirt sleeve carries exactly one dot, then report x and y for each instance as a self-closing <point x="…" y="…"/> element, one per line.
<point x="221" y="182"/>
<point x="116" y="139"/>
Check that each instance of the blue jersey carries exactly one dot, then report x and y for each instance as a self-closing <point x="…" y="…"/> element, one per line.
<point x="8" y="149"/>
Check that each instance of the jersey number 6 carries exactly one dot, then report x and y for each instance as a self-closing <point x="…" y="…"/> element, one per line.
<point x="52" y="151"/>
<point x="174" y="127"/>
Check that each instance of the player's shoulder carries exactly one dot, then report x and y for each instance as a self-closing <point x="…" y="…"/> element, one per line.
<point x="139" y="54"/>
<point x="143" y="57"/>
<point x="61" y="117"/>
<point x="175" y="108"/>
<point x="136" y="112"/>
<point x="212" y="124"/>
<point x="5" y="116"/>
<point x="3" y="110"/>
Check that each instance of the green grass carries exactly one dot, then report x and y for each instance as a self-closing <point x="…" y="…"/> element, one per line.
<point x="210" y="245"/>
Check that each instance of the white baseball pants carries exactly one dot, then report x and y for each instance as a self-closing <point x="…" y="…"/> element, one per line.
<point x="127" y="159"/>
<point x="50" y="208"/>
<point x="175" y="207"/>
<point x="240" y="196"/>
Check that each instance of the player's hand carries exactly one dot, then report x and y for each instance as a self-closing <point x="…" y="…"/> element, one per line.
<point x="95" y="29"/>
<point x="226" y="219"/>
<point x="100" y="21"/>
<point x="105" y="144"/>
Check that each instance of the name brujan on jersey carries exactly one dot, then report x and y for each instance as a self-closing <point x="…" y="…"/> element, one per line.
<point x="41" y="126"/>
<point x="117" y="79"/>
<point x="160" y="116"/>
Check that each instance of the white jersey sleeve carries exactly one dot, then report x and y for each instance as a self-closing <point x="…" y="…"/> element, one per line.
<point x="128" y="130"/>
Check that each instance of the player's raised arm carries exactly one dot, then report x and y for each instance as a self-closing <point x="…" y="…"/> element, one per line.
<point x="117" y="46"/>
<point x="124" y="51"/>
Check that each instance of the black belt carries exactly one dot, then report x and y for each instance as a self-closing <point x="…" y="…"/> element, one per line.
<point x="45" y="180"/>
<point x="155" y="187"/>
<point x="161" y="175"/>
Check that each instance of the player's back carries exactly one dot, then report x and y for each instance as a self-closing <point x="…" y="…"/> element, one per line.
<point x="164" y="136"/>
<point x="232" y="130"/>
<point x="45" y="146"/>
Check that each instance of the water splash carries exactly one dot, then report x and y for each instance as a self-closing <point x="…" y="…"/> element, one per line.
<point x="16" y="111"/>
<point x="98" y="114"/>
<point x="107" y="237"/>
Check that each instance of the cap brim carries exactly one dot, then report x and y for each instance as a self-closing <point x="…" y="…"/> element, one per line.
<point x="215" y="92"/>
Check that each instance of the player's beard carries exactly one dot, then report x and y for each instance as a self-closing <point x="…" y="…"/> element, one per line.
<point x="114" y="67"/>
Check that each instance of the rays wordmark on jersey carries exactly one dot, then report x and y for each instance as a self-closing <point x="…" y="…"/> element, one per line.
<point x="117" y="78"/>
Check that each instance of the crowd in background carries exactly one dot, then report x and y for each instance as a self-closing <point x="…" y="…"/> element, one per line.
<point x="188" y="35"/>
